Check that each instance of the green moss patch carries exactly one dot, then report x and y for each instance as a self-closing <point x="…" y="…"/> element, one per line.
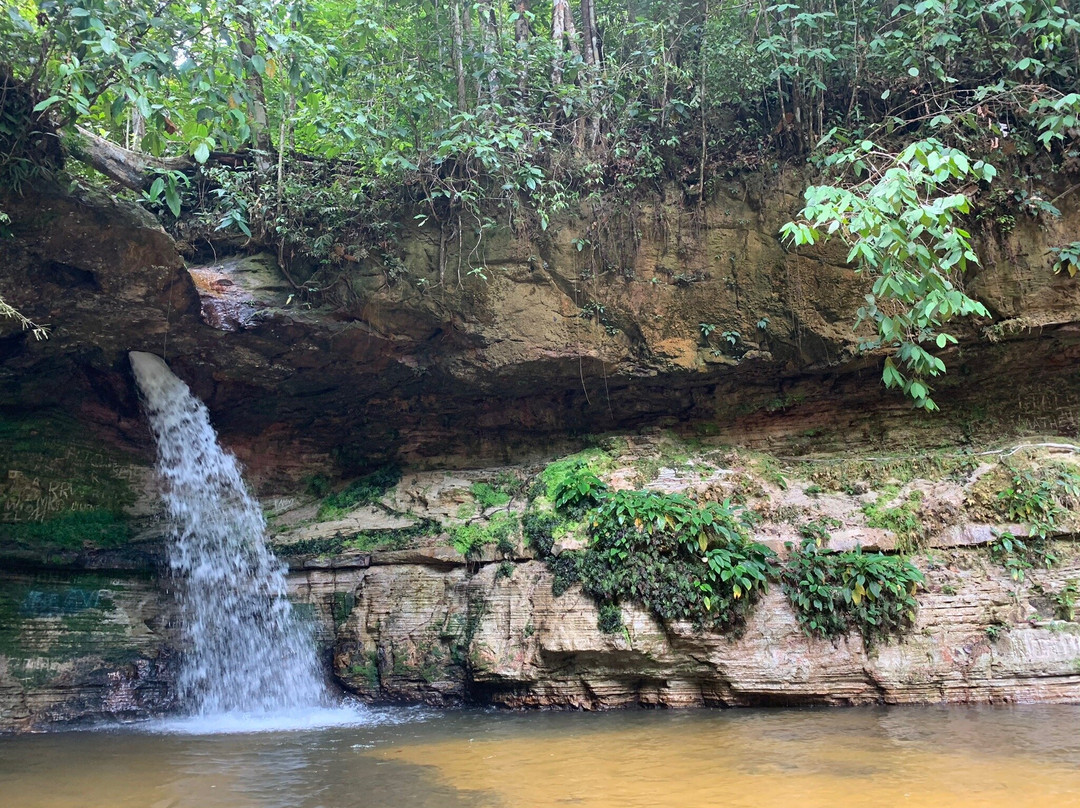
<point x="74" y="530"/>
<point x="47" y="620"/>
<point x="366" y="490"/>
<point x="389" y="539"/>
<point x="59" y="490"/>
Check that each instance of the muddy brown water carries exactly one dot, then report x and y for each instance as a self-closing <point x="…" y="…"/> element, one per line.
<point x="911" y="756"/>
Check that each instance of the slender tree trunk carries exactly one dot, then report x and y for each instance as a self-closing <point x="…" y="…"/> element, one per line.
<point x="562" y="32"/>
<point x="589" y="36"/>
<point x="458" y="52"/>
<point x="260" y="132"/>
<point x="703" y="105"/>
<point x="489" y="33"/>
<point x="521" y="37"/>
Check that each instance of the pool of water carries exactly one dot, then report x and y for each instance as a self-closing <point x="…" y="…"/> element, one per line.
<point x="940" y="757"/>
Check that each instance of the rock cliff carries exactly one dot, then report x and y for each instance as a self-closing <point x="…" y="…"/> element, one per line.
<point x="976" y="640"/>
<point x="698" y="321"/>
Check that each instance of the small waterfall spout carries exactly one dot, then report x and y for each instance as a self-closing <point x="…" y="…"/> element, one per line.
<point x="246" y="652"/>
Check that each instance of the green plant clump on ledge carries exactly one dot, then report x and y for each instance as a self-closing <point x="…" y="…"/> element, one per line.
<point x="364" y="491"/>
<point x="834" y="592"/>
<point x="680" y="559"/>
<point x="393" y="539"/>
<point x="73" y="530"/>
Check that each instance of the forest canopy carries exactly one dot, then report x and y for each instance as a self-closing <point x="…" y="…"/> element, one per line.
<point x="289" y="121"/>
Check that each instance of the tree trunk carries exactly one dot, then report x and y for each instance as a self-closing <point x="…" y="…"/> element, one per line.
<point x="591" y="46"/>
<point x="564" y="33"/>
<point x="260" y="132"/>
<point x="489" y="34"/>
<point x="521" y="37"/>
<point x="131" y="169"/>
<point x="458" y="54"/>
<point x="590" y="39"/>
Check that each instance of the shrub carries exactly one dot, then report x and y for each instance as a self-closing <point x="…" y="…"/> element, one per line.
<point x="364" y="491"/>
<point x="680" y="560"/>
<point x="1039" y="497"/>
<point x="609" y="620"/>
<point x="564" y="572"/>
<point x="577" y="491"/>
<point x="1018" y="555"/>
<point x="470" y="539"/>
<point x="488" y="496"/>
<point x="833" y="593"/>
<point x="539" y="530"/>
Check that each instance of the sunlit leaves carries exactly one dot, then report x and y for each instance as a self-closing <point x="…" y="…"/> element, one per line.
<point x="900" y="225"/>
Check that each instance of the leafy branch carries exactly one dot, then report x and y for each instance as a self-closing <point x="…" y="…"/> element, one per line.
<point x="898" y="216"/>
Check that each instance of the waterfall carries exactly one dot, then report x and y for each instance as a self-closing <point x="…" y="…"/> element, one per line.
<point x="245" y="651"/>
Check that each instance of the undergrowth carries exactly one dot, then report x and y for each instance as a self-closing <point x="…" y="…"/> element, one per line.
<point x="470" y="539"/>
<point x="684" y="560"/>
<point x="1042" y="498"/>
<point x="363" y="491"/>
<point x="680" y="559"/>
<point x="903" y="519"/>
<point x="833" y="593"/>
<point x="392" y="539"/>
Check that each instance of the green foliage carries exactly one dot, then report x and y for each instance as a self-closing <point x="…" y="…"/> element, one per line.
<point x="555" y="475"/>
<point x="679" y="559"/>
<point x="538" y="530"/>
<point x="504" y="544"/>
<point x="72" y="530"/>
<point x="578" y="490"/>
<point x="487" y="496"/>
<point x="1065" y="600"/>
<point x="388" y="539"/>
<point x="1018" y="555"/>
<point x="609" y="619"/>
<point x="369" y="671"/>
<point x="675" y="516"/>
<point x="342" y="605"/>
<point x="564" y="571"/>
<point x="470" y="539"/>
<point x="833" y="593"/>
<point x="475" y="114"/>
<point x="317" y="485"/>
<point x="817" y="530"/>
<point x="1068" y="259"/>
<point x="898" y="217"/>
<point x="1040" y="497"/>
<point x="902" y="519"/>
<point x="505" y="570"/>
<point x="366" y="490"/>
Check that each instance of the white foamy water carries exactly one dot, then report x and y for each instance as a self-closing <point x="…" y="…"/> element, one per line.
<point x="248" y="663"/>
<point x="348" y="714"/>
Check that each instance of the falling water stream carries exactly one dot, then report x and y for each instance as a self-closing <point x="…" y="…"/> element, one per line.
<point x="247" y="659"/>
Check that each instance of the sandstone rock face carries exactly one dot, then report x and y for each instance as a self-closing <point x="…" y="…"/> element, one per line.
<point x="83" y="647"/>
<point x="423" y="632"/>
<point x="698" y="319"/>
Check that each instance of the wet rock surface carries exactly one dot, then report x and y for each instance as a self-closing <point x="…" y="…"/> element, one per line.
<point x="86" y="647"/>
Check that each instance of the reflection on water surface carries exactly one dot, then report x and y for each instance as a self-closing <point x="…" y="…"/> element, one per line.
<point x="940" y="757"/>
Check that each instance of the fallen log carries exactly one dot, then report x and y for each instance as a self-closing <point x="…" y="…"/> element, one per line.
<point x="136" y="170"/>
